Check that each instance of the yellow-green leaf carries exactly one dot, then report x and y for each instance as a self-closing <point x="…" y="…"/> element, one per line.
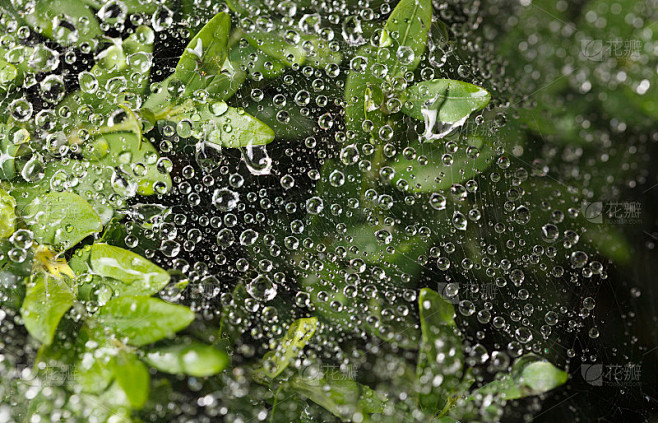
<point x="61" y="219"/>
<point x="47" y="299"/>
<point x="194" y="359"/>
<point x="299" y="333"/>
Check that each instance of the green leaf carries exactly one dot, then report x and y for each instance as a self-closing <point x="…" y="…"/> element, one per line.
<point x="94" y="365"/>
<point x="390" y="327"/>
<point x="90" y="181"/>
<point x="110" y="405"/>
<point x="133" y="378"/>
<point x="286" y="408"/>
<point x="276" y="361"/>
<point x="435" y="175"/>
<point x="440" y="358"/>
<point x="8" y="160"/>
<point x="143" y="320"/>
<point x="203" y="59"/>
<point x="609" y="241"/>
<point x="13" y="147"/>
<point x="221" y="88"/>
<point x="7" y="214"/>
<point x="8" y="73"/>
<point x="132" y="6"/>
<point x="531" y="375"/>
<point x="297" y="127"/>
<point x="405" y="33"/>
<point x="137" y="160"/>
<point x="194" y="359"/>
<point x="204" y="65"/>
<point x="61" y="219"/>
<point x="69" y="22"/>
<point x="542" y="376"/>
<point x="339" y="394"/>
<point x="293" y="53"/>
<point x="444" y="100"/>
<point x="264" y="64"/>
<point x="121" y="73"/>
<point x="47" y="299"/>
<point x="359" y="83"/>
<point x="402" y="44"/>
<point x="125" y="272"/>
<point x="220" y="124"/>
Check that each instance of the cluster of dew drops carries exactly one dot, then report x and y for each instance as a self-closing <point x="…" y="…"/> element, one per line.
<point x="223" y="202"/>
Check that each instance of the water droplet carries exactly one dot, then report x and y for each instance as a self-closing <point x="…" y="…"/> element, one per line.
<point x="314" y="205"/>
<point x="225" y="199"/>
<point x="262" y="288"/>
<point x="459" y="221"/>
<point x="550" y="233"/>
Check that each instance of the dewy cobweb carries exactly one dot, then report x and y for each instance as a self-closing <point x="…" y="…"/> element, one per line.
<point x="291" y="211"/>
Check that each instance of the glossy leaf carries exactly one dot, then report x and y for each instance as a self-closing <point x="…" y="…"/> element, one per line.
<point x="69" y="22"/>
<point x="437" y="175"/>
<point x="221" y="88"/>
<point x="133" y="378"/>
<point x="95" y="361"/>
<point x="194" y="359"/>
<point x="136" y="159"/>
<point x="440" y="357"/>
<point x="143" y="320"/>
<point x="12" y="146"/>
<point x="220" y="124"/>
<point x="90" y="181"/>
<point x="8" y="73"/>
<point x="274" y="45"/>
<point x="405" y="34"/>
<point x="121" y="72"/>
<point x="358" y="83"/>
<point x="47" y="299"/>
<point x="123" y="271"/>
<point x="203" y="58"/>
<point x="264" y="64"/>
<point x="531" y="375"/>
<point x="444" y="100"/>
<point x="297" y="126"/>
<point x="338" y="394"/>
<point x="7" y="214"/>
<point x="401" y="45"/>
<point x="299" y="333"/>
<point x="61" y="219"/>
